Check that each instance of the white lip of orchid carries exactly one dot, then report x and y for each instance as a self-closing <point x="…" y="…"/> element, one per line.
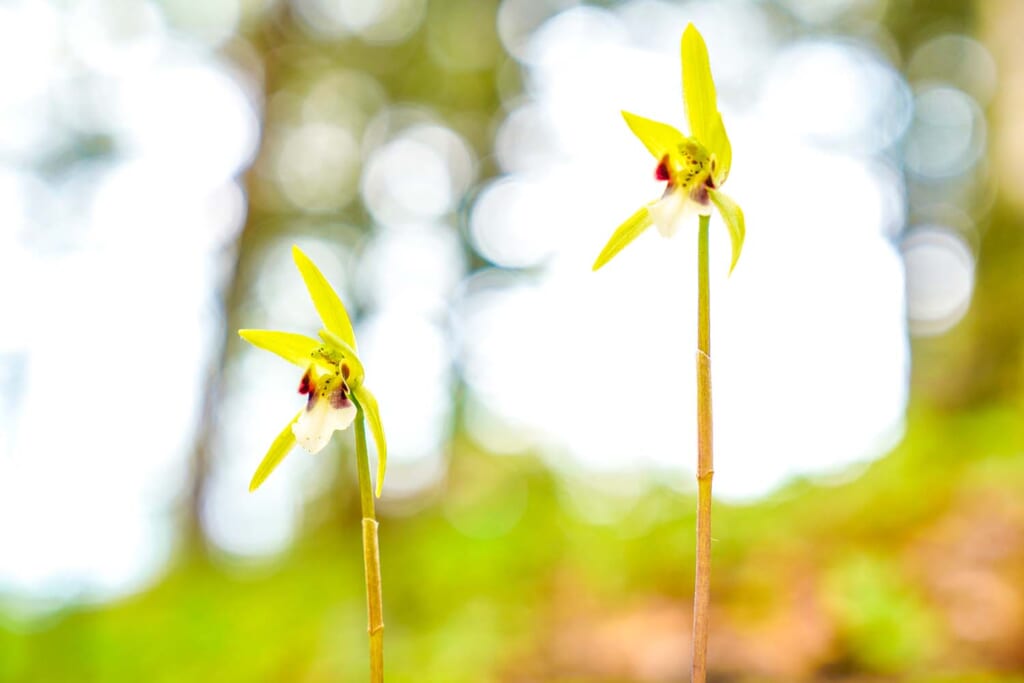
<point x="328" y="409"/>
<point x="677" y="204"/>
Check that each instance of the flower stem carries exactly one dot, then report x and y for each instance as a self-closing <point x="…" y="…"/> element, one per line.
<point x="371" y="554"/>
<point x="705" y="461"/>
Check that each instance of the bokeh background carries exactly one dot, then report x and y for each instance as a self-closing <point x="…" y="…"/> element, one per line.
<point x="454" y="166"/>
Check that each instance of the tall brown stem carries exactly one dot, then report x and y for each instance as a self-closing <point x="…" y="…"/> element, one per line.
<point x="705" y="462"/>
<point x="371" y="555"/>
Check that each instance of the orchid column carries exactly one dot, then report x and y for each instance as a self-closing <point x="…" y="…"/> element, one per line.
<point x="332" y="383"/>
<point x="693" y="168"/>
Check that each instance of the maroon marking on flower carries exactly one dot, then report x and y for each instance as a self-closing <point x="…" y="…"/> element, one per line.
<point x="339" y="399"/>
<point x="700" y="195"/>
<point x="661" y="173"/>
<point x="344" y="370"/>
<point x="306" y="386"/>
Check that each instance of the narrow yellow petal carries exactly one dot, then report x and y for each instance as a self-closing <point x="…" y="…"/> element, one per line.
<point x="719" y="142"/>
<point x="659" y="138"/>
<point x="294" y="348"/>
<point x="368" y="403"/>
<point x="623" y="235"/>
<point x="328" y="303"/>
<point x="699" y="90"/>
<point x="280" y="448"/>
<point x="733" y="217"/>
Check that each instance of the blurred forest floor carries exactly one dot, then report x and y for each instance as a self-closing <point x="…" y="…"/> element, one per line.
<point x="915" y="566"/>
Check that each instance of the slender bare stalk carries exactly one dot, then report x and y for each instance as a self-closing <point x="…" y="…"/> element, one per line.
<point x="371" y="554"/>
<point x="705" y="461"/>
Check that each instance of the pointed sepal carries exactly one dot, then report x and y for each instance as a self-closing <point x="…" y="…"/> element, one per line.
<point x="281" y="446"/>
<point x="733" y="217"/>
<point x="659" y="138"/>
<point x="368" y="404"/>
<point x="698" y="87"/>
<point x="632" y="228"/>
<point x="327" y="302"/>
<point x="294" y="348"/>
<point x="719" y="146"/>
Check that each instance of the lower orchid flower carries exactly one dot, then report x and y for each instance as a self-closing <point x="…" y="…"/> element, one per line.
<point x="336" y="397"/>
<point x="332" y="381"/>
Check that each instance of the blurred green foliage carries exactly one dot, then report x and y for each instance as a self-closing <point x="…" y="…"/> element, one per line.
<point x="551" y="596"/>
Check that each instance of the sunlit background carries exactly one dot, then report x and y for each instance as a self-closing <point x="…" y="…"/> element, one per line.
<point x="454" y="166"/>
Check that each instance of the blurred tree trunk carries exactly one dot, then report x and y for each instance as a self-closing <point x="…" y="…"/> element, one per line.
<point x="230" y="295"/>
<point x="980" y="360"/>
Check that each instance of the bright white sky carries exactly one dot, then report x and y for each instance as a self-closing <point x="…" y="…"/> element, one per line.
<point x="809" y="335"/>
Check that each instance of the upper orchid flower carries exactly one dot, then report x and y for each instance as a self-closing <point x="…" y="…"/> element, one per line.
<point x="694" y="167"/>
<point x="332" y="380"/>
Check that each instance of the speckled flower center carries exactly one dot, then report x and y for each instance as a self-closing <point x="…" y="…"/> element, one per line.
<point x="688" y="167"/>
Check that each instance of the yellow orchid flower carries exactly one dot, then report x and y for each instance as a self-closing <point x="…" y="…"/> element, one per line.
<point x="694" y="167"/>
<point x="332" y="379"/>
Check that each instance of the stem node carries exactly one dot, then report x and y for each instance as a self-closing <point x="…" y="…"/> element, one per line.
<point x="371" y="555"/>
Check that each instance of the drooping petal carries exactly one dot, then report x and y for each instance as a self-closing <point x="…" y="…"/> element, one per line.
<point x="328" y="303"/>
<point x="278" y="449"/>
<point x="368" y="402"/>
<point x="719" y="142"/>
<point x="632" y="228"/>
<point x="326" y="413"/>
<point x="699" y="94"/>
<point x="294" y="348"/>
<point x="733" y="217"/>
<point x="659" y="138"/>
